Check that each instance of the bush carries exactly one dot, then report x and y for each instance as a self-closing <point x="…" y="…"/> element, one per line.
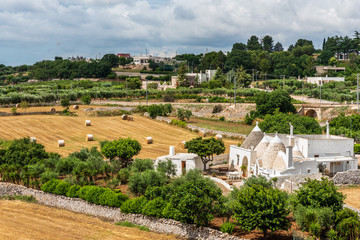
<point x="133" y="205"/>
<point x="83" y="191"/>
<point x="93" y="194"/>
<point x="73" y="191"/>
<point x="178" y="123"/>
<point x="124" y="175"/>
<point x="217" y="109"/>
<point x="169" y="98"/>
<point x="112" y="199"/>
<point x="356" y="148"/>
<point x="62" y="188"/>
<point x="139" y="182"/>
<point x="154" y="207"/>
<point x="222" y="119"/>
<point x="50" y="185"/>
<point x="48" y="175"/>
<point x="141" y="165"/>
<point x="227" y="227"/>
<point x="349" y="228"/>
<point x="86" y="99"/>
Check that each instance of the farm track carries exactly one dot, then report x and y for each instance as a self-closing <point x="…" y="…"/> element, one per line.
<point x="48" y="129"/>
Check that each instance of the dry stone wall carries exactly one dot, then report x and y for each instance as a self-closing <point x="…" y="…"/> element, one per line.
<point x="167" y="226"/>
<point x="348" y="177"/>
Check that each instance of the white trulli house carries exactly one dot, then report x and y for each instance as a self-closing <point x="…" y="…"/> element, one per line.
<point x="184" y="162"/>
<point x="275" y="155"/>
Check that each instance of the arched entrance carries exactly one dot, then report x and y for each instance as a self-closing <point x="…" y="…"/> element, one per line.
<point x="244" y="166"/>
<point x="311" y="113"/>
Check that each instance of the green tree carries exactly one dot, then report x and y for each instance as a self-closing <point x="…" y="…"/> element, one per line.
<point x="65" y="103"/>
<point x="242" y="78"/>
<point x="205" y="148"/>
<point x="267" y="103"/>
<point x="111" y="59"/>
<point x="183" y="114"/>
<point x="167" y="167"/>
<point x="24" y="105"/>
<point x="86" y="99"/>
<point x="320" y="193"/>
<point x="258" y="207"/>
<point x="278" y="47"/>
<point x="123" y="149"/>
<point x="267" y="43"/>
<point x="253" y="43"/>
<point x="279" y="122"/>
<point x="181" y="72"/>
<point x="139" y="182"/>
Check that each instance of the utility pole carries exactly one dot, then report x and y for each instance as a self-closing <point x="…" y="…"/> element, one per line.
<point x="357" y="93"/>
<point x="146" y="91"/>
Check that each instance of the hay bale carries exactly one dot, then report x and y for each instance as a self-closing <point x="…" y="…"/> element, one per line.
<point x="76" y="107"/>
<point x="219" y="137"/>
<point x="89" y="137"/>
<point x="202" y="133"/>
<point x="87" y="123"/>
<point x="124" y="117"/>
<point x="61" y="143"/>
<point x="17" y="105"/>
<point x="149" y="140"/>
<point x="182" y="144"/>
<point x="33" y="139"/>
<point x="130" y="118"/>
<point x="52" y="109"/>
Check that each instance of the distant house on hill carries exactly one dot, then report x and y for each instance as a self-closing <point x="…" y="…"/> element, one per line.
<point x="125" y="55"/>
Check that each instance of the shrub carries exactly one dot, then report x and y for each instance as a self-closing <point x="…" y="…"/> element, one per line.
<point x="124" y="175"/>
<point x="169" y="98"/>
<point x="183" y="114"/>
<point x="50" y="185"/>
<point x="217" y="109"/>
<point x="73" y="191"/>
<point x="93" y="194"/>
<point x="86" y="99"/>
<point x="48" y="175"/>
<point x="357" y="148"/>
<point x="315" y="229"/>
<point x="154" y="207"/>
<point x="222" y="118"/>
<point x="141" y="165"/>
<point x="349" y="228"/>
<point x="129" y="224"/>
<point x="178" y="123"/>
<point x="133" y="205"/>
<point x="318" y="194"/>
<point x="227" y="227"/>
<point x="62" y="188"/>
<point x="139" y="182"/>
<point x="112" y="199"/>
<point x="83" y="191"/>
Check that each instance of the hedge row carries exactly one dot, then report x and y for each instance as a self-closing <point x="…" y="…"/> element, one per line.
<point x="93" y="194"/>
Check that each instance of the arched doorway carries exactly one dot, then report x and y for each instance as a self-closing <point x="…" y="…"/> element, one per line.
<point x="311" y="113"/>
<point x="244" y="166"/>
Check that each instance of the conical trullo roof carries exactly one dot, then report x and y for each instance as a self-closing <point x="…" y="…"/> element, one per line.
<point x="253" y="138"/>
<point x="297" y="153"/>
<point x="279" y="163"/>
<point x="272" y="151"/>
<point x="261" y="147"/>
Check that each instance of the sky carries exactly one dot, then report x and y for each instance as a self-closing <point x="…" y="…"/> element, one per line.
<point x="36" y="30"/>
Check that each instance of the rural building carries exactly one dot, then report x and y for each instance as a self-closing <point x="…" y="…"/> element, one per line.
<point x="184" y="162"/>
<point x="322" y="80"/>
<point x="125" y="55"/>
<point x="324" y="69"/>
<point x="275" y="155"/>
<point x="197" y="78"/>
<point x="144" y="60"/>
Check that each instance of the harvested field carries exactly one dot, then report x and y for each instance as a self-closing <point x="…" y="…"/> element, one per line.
<point x="48" y="129"/>
<point x="352" y="196"/>
<point x="21" y="220"/>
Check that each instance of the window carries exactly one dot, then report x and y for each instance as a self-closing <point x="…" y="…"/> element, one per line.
<point x="308" y="170"/>
<point x="316" y="155"/>
<point x="238" y="160"/>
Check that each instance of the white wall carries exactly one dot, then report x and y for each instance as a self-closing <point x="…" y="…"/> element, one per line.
<point x="237" y="157"/>
<point x="329" y="148"/>
<point x="302" y="167"/>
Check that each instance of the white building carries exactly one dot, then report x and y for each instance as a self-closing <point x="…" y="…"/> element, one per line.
<point x="285" y="155"/>
<point x="144" y="60"/>
<point x="322" y="80"/>
<point x="199" y="77"/>
<point x="184" y="162"/>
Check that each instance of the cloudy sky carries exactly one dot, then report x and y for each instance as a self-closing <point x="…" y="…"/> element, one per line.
<point x="34" y="30"/>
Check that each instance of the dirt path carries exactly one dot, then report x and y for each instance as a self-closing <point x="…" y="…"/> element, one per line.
<point x="20" y="220"/>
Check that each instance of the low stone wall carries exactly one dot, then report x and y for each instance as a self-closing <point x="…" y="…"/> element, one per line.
<point x="204" y="130"/>
<point x="168" y="226"/>
<point x="348" y="177"/>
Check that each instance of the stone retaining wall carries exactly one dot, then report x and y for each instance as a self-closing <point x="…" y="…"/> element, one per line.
<point x="168" y="226"/>
<point x="204" y="130"/>
<point x="348" y="177"/>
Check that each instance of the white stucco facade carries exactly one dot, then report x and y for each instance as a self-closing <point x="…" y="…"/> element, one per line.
<point x="184" y="162"/>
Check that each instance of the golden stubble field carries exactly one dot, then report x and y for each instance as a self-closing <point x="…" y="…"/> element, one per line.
<point x="352" y="196"/>
<point x="21" y="220"/>
<point x="48" y="129"/>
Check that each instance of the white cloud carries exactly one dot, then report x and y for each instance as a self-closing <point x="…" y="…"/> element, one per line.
<point x="87" y="27"/>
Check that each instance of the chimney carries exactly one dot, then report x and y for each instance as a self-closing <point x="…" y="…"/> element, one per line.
<point x="327" y="130"/>
<point x="172" y="151"/>
<point x="289" y="156"/>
